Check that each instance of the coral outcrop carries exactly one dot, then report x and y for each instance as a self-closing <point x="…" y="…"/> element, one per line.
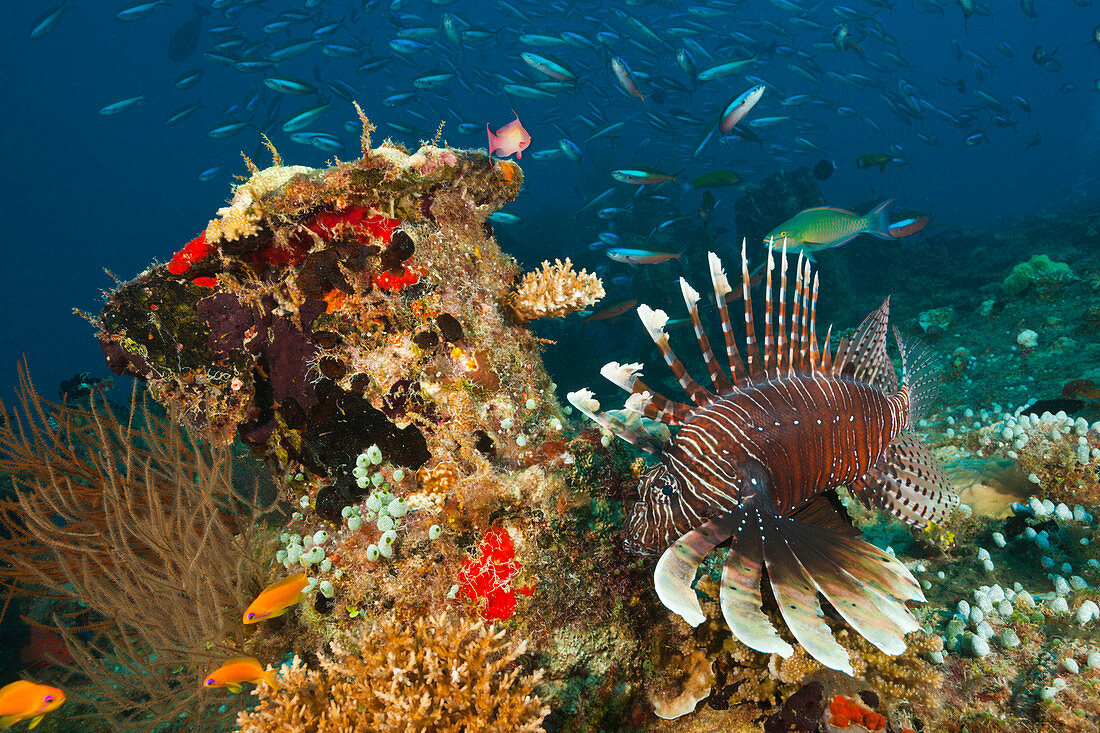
<point x="555" y="291"/>
<point x="428" y="675"/>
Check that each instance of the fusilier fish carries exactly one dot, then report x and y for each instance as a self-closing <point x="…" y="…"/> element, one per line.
<point x="122" y="105"/>
<point x="736" y="110"/>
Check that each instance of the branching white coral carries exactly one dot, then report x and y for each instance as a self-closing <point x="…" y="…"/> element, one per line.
<point x="555" y="291"/>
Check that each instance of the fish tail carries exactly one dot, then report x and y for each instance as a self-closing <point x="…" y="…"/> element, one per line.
<point x="271" y="677"/>
<point x="878" y="222"/>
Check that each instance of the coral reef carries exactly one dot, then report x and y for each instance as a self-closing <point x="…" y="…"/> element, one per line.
<point x="432" y="674"/>
<point x="138" y="532"/>
<point x="359" y="329"/>
<point x="555" y="291"/>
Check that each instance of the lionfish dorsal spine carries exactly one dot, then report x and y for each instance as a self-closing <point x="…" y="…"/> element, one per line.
<point x="722" y="289"/>
<point x="781" y="334"/>
<point x="717" y="378"/>
<point x="654" y="322"/>
<point x="752" y="364"/>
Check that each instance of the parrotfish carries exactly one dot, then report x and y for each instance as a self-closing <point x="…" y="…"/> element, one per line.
<point x="242" y="669"/>
<point x="23" y="700"/>
<point x="277" y="598"/>
<point x="511" y="139"/>
<point x="758" y="457"/>
<point x="823" y="227"/>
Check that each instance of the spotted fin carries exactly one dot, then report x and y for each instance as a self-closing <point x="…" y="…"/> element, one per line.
<point x="913" y="486"/>
<point x="796" y="593"/>
<point x="864" y="356"/>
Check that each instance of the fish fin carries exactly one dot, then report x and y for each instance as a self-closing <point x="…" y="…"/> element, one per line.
<point x="826" y="511"/>
<point x="675" y="572"/>
<point x="717" y="378"/>
<point x="796" y="593"/>
<point x="865" y="584"/>
<point x="752" y="355"/>
<point x="915" y="488"/>
<point x="742" y="605"/>
<point x="654" y="322"/>
<point x="7" y="721"/>
<point x="584" y="401"/>
<point x="722" y="289"/>
<point x="234" y="687"/>
<point x="878" y="221"/>
<point x="35" y="721"/>
<point x="271" y="677"/>
<point x="920" y="373"/>
<point x="864" y="356"/>
<point x="880" y="618"/>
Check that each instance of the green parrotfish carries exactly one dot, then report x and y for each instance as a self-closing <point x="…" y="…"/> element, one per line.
<point x="823" y="227"/>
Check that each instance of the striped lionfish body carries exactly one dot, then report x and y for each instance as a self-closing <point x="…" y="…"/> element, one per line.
<point x="757" y="460"/>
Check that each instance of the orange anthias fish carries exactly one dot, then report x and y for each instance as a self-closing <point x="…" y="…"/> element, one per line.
<point x="511" y="139"/>
<point x="242" y="669"/>
<point x="22" y="700"/>
<point x="277" y="598"/>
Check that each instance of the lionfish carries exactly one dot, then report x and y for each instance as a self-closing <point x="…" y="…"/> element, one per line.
<point x="757" y="462"/>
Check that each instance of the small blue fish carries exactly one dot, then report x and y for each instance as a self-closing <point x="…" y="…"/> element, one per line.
<point x="122" y="105"/>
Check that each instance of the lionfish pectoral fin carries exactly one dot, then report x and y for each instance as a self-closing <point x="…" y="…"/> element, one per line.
<point x="826" y="511"/>
<point x="742" y="606"/>
<point x="796" y="593"/>
<point x="914" y="488"/>
<point x="675" y="571"/>
<point x="880" y="618"/>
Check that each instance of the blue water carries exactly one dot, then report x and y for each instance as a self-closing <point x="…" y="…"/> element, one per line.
<point x="83" y="191"/>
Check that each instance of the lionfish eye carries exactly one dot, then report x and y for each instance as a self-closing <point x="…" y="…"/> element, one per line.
<point x="667" y="490"/>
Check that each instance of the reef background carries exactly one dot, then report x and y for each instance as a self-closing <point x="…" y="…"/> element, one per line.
<point x="330" y="317"/>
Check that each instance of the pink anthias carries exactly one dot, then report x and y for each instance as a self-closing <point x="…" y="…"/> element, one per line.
<point x="511" y="139"/>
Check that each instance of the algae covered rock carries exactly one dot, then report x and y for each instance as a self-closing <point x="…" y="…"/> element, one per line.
<point x="1039" y="274"/>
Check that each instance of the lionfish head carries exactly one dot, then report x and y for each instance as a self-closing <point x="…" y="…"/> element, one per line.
<point x="658" y="518"/>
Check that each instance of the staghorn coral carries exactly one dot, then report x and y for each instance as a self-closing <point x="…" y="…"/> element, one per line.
<point x="555" y="291"/>
<point x="435" y="674"/>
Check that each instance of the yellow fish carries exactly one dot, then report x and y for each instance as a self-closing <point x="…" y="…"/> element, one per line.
<point x="22" y="700"/>
<point x="242" y="669"/>
<point x="277" y="598"/>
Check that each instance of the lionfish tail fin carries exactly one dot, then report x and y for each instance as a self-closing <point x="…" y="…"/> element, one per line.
<point x="920" y="373"/>
<point x="585" y="401"/>
<point x="911" y="485"/>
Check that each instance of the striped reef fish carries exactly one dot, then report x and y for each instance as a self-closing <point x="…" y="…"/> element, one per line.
<point x="757" y="461"/>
